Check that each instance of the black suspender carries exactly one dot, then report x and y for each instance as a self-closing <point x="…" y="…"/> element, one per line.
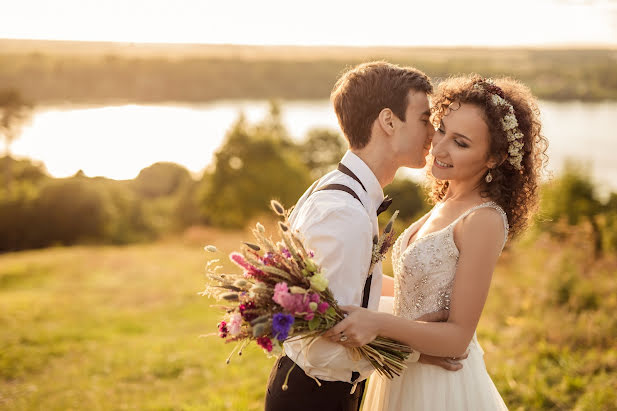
<point x="340" y="187"/>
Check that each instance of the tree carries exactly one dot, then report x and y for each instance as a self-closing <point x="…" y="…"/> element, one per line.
<point x="408" y="197"/>
<point x="254" y="165"/>
<point x="15" y="111"/>
<point x="322" y="150"/>
<point x="161" y="179"/>
<point x="571" y="198"/>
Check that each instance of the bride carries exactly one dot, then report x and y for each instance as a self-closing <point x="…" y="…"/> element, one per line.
<point x="486" y="158"/>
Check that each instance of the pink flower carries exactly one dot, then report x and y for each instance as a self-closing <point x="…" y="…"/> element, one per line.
<point x="234" y="324"/>
<point x="296" y="304"/>
<point x="323" y="307"/>
<point x="250" y="305"/>
<point x="253" y="272"/>
<point x="223" y="329"/>
<point x="265" y="343"/>
<point x="281" y="288"/>
<point x="309" y="316"/>
<point x="268" y="259"/>
<point x="239" y="260"/>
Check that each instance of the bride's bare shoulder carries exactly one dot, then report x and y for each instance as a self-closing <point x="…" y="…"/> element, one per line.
<point x="483" y="226"/>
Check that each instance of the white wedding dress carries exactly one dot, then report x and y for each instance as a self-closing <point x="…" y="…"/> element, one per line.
<point x="423" y="280"/>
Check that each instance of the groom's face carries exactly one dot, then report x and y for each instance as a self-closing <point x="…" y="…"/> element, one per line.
<point x="412" y="138"/>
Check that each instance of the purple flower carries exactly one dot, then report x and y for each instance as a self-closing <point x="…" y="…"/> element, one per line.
<point x="286" y="252"/>
<point x="281" y="324"/>
<point x="311" y="253"/>
<point x="268" y="259"/>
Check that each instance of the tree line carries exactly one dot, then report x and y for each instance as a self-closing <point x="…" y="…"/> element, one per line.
<point x="50" y="78"/>
<point x="255" y="163"/>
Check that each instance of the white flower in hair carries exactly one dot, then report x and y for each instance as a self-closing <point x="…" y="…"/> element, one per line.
<point x="509" y="123"/>
<point x="498" y="101"/>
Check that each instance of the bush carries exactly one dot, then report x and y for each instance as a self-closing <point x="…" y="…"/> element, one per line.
<point x="161" y="179"/>
<point x="254" y="165"/>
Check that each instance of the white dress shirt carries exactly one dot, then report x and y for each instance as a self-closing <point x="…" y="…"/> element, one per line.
<point x="339" y="229"/>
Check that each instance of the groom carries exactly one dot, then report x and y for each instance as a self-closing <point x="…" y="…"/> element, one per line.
<point x="383" y="111"/>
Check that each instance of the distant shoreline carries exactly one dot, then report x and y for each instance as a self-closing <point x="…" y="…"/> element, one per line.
<point x="53" y="72"/>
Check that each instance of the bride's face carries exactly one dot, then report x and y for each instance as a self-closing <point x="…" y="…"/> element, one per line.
<point x="461" y="145"/>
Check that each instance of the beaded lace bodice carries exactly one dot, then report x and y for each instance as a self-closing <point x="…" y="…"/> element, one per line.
<point x="424" y="271"/>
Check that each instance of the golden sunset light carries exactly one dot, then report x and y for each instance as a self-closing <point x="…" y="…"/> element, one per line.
<point x="322" y="205"/>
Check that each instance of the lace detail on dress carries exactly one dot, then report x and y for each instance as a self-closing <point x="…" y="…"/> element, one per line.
<point x="424" y="271"/>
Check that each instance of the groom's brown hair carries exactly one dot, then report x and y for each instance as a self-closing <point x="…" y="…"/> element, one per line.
<point x="362" y="92"/>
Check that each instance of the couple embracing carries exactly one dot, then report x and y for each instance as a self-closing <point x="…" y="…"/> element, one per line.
<point x="486" y="152"/>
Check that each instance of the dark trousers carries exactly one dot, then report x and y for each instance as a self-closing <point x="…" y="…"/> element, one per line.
<point x="303" y="393"/>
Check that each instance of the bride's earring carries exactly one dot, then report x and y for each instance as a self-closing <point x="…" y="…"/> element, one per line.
<point x="489" y="177"/>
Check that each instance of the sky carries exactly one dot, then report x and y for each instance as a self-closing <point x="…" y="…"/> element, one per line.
<point x="317" y="22"/>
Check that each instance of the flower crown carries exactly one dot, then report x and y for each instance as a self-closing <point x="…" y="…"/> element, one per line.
<point x="509" y="122"/>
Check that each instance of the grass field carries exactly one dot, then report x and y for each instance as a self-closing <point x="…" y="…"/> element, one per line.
<point x="102" y="328"/>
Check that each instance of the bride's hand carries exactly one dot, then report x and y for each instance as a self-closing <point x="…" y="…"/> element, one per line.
<point x="450" y="364"/>
<point x="360" y="327"/>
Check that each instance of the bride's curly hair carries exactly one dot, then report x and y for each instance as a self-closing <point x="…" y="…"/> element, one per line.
<point x="516" y="191"/>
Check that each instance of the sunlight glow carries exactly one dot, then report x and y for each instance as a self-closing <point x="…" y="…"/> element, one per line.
<point x="119" y="141"/>
<point x="320" y="22"/>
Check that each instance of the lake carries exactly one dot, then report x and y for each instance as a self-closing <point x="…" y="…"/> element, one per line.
<point x="118" y="141"/>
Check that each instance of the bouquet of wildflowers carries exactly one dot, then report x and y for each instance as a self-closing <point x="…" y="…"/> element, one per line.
<point x="282" y="293"/>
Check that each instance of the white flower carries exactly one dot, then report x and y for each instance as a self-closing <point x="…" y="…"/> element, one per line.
<point x="509" y="122"/>
<point x="235" y="321"/>
<point x="318" y="282"/>
<point x="497" y="100"/>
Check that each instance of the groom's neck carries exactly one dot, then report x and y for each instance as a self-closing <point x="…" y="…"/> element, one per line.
<point x="380" y="163"/>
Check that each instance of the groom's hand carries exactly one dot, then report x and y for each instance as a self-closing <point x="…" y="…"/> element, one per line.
<point x="450" y="364"/>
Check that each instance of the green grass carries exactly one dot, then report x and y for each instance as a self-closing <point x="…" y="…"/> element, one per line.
<point x="102" y="328"/>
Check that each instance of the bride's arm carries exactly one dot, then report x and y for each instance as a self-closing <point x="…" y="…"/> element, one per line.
<point x="387" y="286"/>
<point x="480" y="238"/>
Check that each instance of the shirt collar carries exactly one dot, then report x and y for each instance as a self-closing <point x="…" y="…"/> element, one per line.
<point x="366" y="175"/>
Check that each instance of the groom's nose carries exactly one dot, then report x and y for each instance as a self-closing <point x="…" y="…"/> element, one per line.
<point x="436" y="149"/>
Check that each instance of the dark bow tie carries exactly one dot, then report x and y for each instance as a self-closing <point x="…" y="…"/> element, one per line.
<point x="387" y="201"/>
